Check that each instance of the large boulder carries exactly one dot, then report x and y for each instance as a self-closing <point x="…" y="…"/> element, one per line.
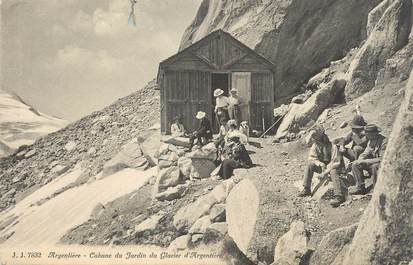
<point x="389" y="34"/>
<point x="180" y="243"/>
<point x="292" y="247"/>
<point x="201" y="168"/>
<point x="301" y="114"/>
<point x="168" y="177"/>
<point x="384" y="234"/>
<point x="189" y="214"/>
<point x="150" y="147"/>
<point x="333" y="245"/>
<point x="241" y="213"/>
<point x="257" y="215"/>
<point x="208" y="152"/>
<point x="130" y="156"/>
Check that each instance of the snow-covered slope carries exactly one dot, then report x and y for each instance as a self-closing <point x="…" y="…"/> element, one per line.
<point x="20" y="124"/>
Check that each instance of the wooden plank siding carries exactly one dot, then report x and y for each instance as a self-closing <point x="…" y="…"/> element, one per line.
<point x="262" y="100"/>
<point x="186" y="92"/>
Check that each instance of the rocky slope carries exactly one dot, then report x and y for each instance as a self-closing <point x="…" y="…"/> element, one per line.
<point x="89" y="143"/>
<point x="20" y="124"/>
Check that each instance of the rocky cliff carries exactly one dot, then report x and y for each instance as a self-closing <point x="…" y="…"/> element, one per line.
<point x="300" y="37"/>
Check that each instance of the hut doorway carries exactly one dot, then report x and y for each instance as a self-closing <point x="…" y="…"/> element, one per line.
<point x="218" y="80"/>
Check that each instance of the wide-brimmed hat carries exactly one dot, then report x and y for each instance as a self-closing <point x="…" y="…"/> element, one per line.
<point x="358" y="122"/>
<point x="232" y="123"/>
<point x="218" y="92"/>
<point x="234" y="90"/>
<point x="371" y="128"/>
<point x="200" y="115"/>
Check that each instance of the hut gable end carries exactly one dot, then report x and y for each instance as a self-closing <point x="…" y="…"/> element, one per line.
<point x="217" y="51"/>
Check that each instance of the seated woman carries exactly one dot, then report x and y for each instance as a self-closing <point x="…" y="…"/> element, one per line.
<point x="238" y="157"/>
<point x="177" y="128"/>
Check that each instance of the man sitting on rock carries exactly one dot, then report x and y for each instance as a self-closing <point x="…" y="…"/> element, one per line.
<point x="356" y="137"/>
<point x="238" y="157"/>
<point x="204" y="131"/>
<point x="319" y="158"/>
<point x="369" y="160"/>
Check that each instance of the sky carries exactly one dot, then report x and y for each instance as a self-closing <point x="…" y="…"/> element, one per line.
<point x="69" y="58"/>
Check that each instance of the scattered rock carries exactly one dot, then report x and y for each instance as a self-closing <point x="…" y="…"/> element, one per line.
<point x="217" y="213"/>
<point x="30" y="153"/>
<point x="200" y="226"/>
<point x="300" y="115"/>
<point x="292" y="246"/>
<point x="130" y="156"/>
<point x="172" y="193"/>
<point x="149" y="224"/>
<point x="70" y="146"/>
<point x="179" y="244"/>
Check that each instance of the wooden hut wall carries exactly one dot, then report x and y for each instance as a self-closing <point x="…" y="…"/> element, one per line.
<point x="186" y="92"/>
<point x="262" y="102"/>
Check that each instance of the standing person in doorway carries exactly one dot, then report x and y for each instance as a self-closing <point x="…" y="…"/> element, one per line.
<point x="204" y="131"/>
<point x="234" y="102"/>
<point x="221" y="105"/>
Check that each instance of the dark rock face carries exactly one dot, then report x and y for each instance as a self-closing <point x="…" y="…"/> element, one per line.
<point x="300" y="37"/>
<point x="313" y="34"/>
<point x="384" y="235"/>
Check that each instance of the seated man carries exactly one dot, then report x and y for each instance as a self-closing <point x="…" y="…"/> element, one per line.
<point x="369" y="160"/>
<point x="204" y="131"/>
<point x="356" y="137"/>
<point x="177" y="128"/>
<point x="319" y="158"/>
<point x="238" y="157"/>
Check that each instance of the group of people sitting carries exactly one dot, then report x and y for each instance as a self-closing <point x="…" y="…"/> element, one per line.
<point x="361" y="146"/>
<point x="230" y="142"/>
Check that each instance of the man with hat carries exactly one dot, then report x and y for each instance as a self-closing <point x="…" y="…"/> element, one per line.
<point x="221" y="105"/>
<point x="356" y="137"/>
<point x="234" y="105"/>
<point x="204" y="130"/>
<point x="238" y="157"/>
<point x="368" y="160"/>
<point x="319" y="157"/>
